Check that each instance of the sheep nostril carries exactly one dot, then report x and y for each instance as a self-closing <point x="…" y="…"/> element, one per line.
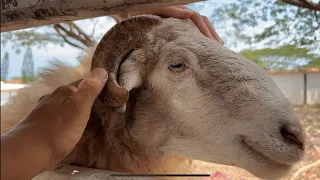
<point x="293" y="136"/>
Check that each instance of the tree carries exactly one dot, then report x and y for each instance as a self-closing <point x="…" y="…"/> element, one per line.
<point x="5" y="67"/>
<point x="284" y="57"/>
<point x="315" y="63"/>
<point x="70" y="33"/>
<point x="284" y="22"/>
<point x="290" y="28"/>
<point x="28" y="66"/>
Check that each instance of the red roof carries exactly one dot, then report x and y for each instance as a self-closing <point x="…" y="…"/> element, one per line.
<point x="308" y="70"/>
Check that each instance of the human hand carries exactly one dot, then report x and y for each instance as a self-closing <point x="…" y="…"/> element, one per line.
<point x="58" y="121"/>
<point x="180" y="11"/>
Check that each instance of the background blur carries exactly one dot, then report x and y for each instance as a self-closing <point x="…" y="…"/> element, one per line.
<point x="281" y="36"/>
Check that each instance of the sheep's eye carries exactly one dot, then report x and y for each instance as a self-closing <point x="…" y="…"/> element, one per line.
<point x="177" y="67"/>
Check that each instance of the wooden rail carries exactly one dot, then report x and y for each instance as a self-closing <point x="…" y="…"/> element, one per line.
<point x="21" y="14"/>
<point x="81" y="173"/>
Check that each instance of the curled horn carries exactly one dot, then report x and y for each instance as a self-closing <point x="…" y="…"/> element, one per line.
<point x="115" y="45"/>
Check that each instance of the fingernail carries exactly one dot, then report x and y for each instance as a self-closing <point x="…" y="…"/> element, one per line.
<point x="100" y="73"/>
<point x="221" y="41"/>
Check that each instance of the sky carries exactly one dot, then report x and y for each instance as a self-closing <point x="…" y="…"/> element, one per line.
<point x="69" y="54"/>
<point x="42" y="56"/>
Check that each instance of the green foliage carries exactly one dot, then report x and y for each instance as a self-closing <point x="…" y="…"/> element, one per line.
<point x="31" y="37"/>
<point x="285" y="57"/>
<point x="28" y="66"/>
<point x="27" y="79"/>
<point x="315" y="63"/>
<point x="292" y="32"/>
<point x="40" y="37"/>
<point x="5" y="67"/>
<point x="282" y="23"/>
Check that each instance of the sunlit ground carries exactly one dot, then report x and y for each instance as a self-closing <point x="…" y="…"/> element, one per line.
<point x="307" y="169"/>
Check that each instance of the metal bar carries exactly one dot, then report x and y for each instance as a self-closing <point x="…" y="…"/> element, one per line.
<point x="21" y="14"/>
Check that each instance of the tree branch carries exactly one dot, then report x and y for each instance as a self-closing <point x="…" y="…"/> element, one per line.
<point x="76" y="33"/>
<point x="303" y="4"/>
<point x="94" y="27"/>
<point x="89" y="41"/>
<point x="65" y="39"/>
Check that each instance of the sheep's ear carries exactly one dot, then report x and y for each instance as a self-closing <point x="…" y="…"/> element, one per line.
<point x="130" y="77"/>
<point x="121" y="40"/>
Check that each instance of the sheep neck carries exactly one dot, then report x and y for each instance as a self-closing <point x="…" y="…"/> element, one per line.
<point x="108" y="144"/>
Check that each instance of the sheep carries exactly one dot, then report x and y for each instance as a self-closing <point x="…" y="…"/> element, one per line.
<point x="174" y="95"/>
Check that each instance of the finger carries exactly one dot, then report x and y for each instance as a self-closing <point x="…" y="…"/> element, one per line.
<point x="182" y="6"/>
<point x="212" y="30"/>
<point x="170" y="11"/>
<point x="199" y="22"/>
<point x="176" y="12"/>
<point x="76" y="83"/>
<point x="64" y="91"/>
<point x="209" y="26"/>
<point x="89" y="88"/>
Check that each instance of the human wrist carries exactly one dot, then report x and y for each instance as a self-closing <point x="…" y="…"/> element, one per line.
<point x="25" y="152"/>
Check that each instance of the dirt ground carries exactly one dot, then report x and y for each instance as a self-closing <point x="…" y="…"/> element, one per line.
<point x="307" y="169"/>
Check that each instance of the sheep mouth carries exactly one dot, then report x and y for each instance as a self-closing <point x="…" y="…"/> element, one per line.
<point x="260" y="156"/>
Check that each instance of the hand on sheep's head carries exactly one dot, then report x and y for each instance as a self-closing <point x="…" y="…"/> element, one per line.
<point x="200" y="21"/>
<point x="51" y="129"/>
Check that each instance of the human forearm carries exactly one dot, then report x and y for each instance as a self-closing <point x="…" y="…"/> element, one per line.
<point x="51" y="130"/>
<point x="23" y="156"/>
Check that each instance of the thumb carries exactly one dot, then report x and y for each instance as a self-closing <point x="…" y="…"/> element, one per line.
<point x="89" y="88"/>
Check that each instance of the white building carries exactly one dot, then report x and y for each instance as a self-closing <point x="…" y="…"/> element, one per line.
<point x="8" y="90"/>
<point x="300" y="87"/>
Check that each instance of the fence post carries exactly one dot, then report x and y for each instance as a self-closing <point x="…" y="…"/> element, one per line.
<point x="305" y="88"/>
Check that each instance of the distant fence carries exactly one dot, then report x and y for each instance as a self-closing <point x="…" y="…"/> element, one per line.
<point x="299" y="88"/>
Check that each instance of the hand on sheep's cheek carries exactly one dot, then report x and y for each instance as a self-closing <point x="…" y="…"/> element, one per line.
<point x="51" y="129"/>
<point x="200" y="21"/>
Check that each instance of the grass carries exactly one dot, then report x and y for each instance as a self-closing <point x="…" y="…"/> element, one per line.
<point x="307" y="169"/>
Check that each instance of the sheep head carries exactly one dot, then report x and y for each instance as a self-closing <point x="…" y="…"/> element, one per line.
<point x="196" y="98"/>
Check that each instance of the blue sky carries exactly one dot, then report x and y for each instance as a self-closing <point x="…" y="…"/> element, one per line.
<point x="42" y="56"/>
<point x="69" y="54"/>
